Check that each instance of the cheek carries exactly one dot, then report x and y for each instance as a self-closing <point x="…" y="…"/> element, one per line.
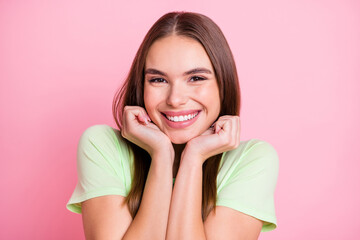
<point x="210" y="97"/>
<point x="148" y="101"/>
<point x="149" y="107"/>
<point x="151" y="101"/>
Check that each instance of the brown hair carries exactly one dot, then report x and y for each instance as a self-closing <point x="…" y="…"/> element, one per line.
<point x="206" y="32"/>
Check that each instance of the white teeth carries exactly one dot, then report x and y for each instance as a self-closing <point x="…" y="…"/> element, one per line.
<point x="181" y="118"/>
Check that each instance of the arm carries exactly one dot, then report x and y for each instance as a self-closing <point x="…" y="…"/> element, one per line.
<point x="105" y="217"/>
<point x="108" y="217"/>
<point x="231" y="224"/>
<point x="185" y="220"/>
<point x="151" y="220"/>
<point x="186" y="205"/>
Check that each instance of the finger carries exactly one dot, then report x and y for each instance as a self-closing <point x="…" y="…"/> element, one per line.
<point x="218" y="125"/>
<point x="235" y="123"/>
<point x="226" y="117"/>
<point x="208" y="131"/>
<point x="235" y="130"/>
<point x="143" y="118"/>
<point x="229" y="131"/>
<point x="222" y="125"/>
<point x="136" y="113"/>
<point x="153" y="126"/>
<point x="238" y="130"/>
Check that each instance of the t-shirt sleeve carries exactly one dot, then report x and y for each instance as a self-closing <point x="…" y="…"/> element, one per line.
<point x="102" y="164"/>
<point x="250" y="184"/>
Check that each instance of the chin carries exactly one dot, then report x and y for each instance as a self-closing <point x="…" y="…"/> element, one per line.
<point x="179" y="140"/>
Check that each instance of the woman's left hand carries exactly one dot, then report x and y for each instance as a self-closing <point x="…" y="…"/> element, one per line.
<point x="223" y="136"/>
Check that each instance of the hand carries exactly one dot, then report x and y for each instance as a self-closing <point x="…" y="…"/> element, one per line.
<point x="223" y="136"/>
<point x="138" y="128"/>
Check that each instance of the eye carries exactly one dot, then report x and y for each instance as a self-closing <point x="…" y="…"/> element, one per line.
<point x="157" y="80"/>
<point x="196" y="78"/>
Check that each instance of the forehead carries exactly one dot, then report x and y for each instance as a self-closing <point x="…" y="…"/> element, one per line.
<point x="176" y="55"/>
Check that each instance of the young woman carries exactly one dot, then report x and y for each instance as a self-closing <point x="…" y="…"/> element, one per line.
<point x="176" y="169"/>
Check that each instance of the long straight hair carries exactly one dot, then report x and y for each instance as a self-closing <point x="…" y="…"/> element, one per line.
<point x="205" y="31"/>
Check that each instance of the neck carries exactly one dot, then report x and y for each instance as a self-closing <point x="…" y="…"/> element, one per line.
<point x="178" y="148"/>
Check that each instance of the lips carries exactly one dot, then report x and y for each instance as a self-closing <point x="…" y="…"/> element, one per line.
<point x="181" y="119"/>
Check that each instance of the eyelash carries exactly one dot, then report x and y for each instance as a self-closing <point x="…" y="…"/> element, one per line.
<point x="160" y="80"/>
<point x="198" y="78"/>
<point x="156" y="80"/>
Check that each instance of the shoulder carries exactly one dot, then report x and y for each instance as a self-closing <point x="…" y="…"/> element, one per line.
<point x="102" y="138"/>
<point x="103" y="165"/>
<point x="253" y="155"/>
<point x="103" y="146"/>
<point x="247" y="180"/>
<point x="101" y="133"/>
<point x="252" y="150"/>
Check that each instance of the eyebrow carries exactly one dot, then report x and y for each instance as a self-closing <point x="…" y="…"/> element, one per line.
<point x="192" y="71"/>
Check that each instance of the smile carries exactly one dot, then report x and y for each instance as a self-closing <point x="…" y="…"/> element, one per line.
<point x="182" y="118"/>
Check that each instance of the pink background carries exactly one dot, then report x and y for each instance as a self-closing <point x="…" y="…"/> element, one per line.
<point x="298" y="63"/>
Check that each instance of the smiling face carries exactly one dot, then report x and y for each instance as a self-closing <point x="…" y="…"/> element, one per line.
<point x="181" y="94"/>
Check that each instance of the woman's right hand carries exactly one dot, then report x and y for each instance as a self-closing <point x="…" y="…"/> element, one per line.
<point x="138" y="129"/>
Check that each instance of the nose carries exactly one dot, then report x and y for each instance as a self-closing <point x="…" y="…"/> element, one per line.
<point x="177" y="96"/>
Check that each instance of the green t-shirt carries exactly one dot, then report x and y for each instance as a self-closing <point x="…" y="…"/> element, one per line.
<point x="246" y="180"/>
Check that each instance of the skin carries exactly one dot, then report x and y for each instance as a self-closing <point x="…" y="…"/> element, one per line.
<point x="177" y="149"/>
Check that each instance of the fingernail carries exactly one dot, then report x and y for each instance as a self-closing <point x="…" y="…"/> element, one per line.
<point x="217" y="129"/>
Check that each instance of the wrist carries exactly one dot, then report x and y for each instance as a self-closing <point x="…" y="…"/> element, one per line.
<point x="164" y="154"/>
<point x="191" y="159"/>
<point x="193" y="155"/>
